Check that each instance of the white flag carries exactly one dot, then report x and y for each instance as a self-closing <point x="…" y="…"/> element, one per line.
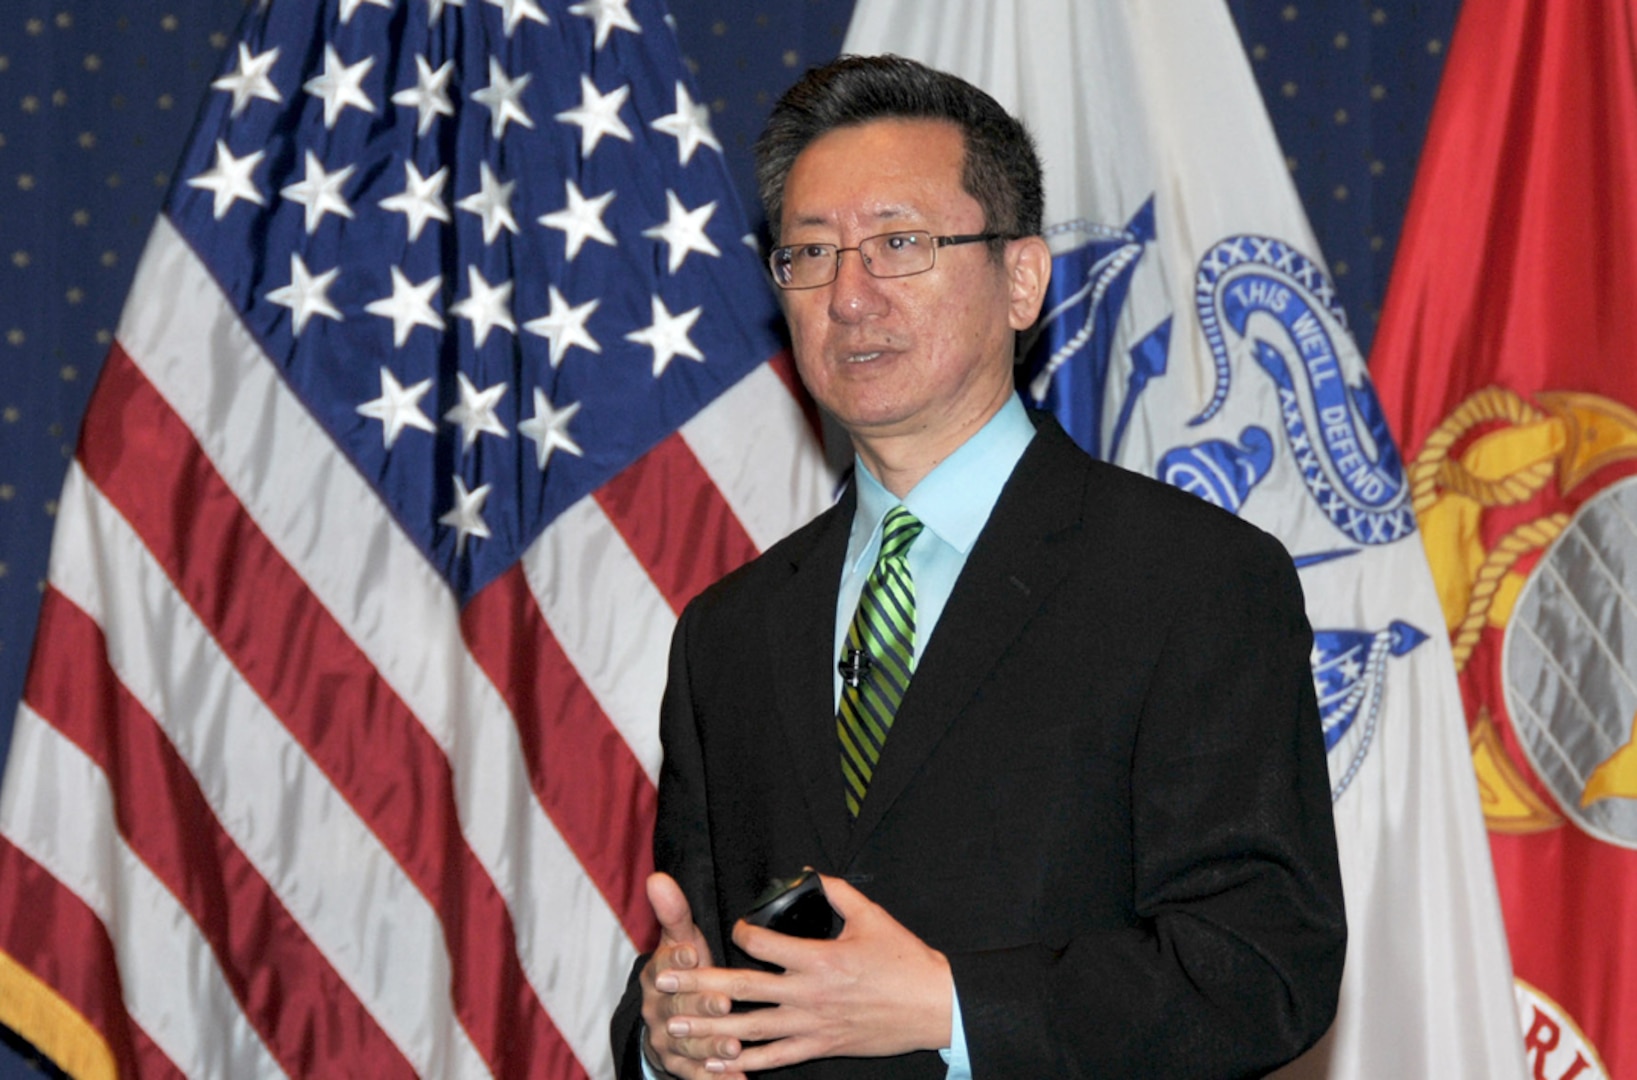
<point x="1193" y="333"/>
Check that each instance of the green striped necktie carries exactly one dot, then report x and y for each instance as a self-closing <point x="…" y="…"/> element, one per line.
<point x="878" y="657"/>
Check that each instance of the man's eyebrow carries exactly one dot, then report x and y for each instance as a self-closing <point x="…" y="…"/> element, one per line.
<point x="886" y="214"/>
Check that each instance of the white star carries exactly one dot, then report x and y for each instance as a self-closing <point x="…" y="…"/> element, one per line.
<point x="502" y="98"/>
<point x="608" y="14"/>
<point x="409" y="306"/>
<point x="467" y="516"/>
<point x="684" y="230"/>
<point x="341" y="86"/>
<point x="487" y="307"/>
<point x="690" y="124"/>
<point x="320" y="192"/>
<point x="251" y="80"/>
<point x="305" y="295"/>
<point x="598" y="115"/>
<point x="429" y="97"/>
<point x="476" y="412"/>
<point x="668" y="336"/>
<point x="435" y="8"/>
<point x="565" y="327"/>
<point x="548" y="427"/>
<point x="350" y="7"/>
<point x="492" y="202"/>
<point x="518" y="10"/>
<point x="230" y="179"/>
<point x="419" y="201"/>
<point x="581" y="220"/>
<point x="398" y="407"/>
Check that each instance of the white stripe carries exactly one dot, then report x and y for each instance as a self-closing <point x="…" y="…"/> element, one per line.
<point x="613" y="624"/>
<point x="376" y="584"/>
<point x="739" y="439"/>
<point x="56" y="806"/>
<point x="322" y="861"/>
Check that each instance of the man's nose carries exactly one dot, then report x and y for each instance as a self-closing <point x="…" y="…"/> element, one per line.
<point x="855" y="294"/>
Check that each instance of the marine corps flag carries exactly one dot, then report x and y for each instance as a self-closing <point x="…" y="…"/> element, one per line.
<point x="1192" y="333"/>
<point x="1507" y="361"/>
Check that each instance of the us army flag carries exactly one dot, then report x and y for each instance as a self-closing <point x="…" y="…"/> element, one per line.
<point x="1192" y="333"/>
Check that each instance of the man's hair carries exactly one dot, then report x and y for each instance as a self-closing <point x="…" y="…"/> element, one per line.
<point x="1001" y="170"/>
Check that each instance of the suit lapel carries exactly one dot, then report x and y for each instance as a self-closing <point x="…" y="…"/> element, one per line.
<point x="800" y="627"/>
<point x="1018" y="559"/>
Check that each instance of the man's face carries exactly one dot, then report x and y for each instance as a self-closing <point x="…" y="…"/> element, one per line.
<point x="926" y="357"/>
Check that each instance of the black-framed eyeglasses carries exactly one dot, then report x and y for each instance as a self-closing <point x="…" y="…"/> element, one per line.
<point x="889" y="255"/>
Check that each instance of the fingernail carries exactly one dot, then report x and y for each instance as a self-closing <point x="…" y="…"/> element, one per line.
<point x="667" y="984"/>
<point x="716" y="1066"/>
<point x="678" y="1028"/>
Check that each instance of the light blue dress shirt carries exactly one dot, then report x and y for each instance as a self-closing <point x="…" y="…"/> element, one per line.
<point x="953" y="502"/>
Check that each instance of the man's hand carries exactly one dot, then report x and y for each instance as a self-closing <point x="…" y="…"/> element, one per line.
<point x="682" y="948"/>
<point x="876" y="991"/>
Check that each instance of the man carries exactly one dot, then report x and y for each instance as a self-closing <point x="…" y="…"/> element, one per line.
<point x="1050" y="736"/>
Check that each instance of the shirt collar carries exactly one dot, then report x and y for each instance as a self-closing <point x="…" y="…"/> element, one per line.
<point x="955" y="499"/>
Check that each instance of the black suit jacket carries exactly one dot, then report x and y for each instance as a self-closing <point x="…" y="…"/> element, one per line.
<point x="1104" y="797"/>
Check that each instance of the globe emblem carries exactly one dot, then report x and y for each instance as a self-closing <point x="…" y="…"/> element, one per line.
<point x="1569" y="666"/>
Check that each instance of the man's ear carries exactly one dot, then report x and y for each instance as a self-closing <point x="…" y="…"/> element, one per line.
<point x="1029" y="271"/>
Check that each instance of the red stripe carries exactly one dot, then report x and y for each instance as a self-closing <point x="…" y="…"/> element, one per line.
<point x="266" y="958"/>
<point x="675" y="521"/>
<point x="50" y="931"/>
<point x="312" y="675"/>
<point x="581" y="768"/>
<point x="784" y="366"/>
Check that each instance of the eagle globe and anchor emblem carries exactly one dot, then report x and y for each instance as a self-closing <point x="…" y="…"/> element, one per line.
<point x="1260" y="299"/>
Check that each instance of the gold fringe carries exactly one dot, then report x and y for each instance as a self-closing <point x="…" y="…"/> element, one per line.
<point x="38" y="1013"/>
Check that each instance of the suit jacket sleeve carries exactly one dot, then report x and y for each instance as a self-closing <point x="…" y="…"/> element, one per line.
<point x="1232" y="962"/>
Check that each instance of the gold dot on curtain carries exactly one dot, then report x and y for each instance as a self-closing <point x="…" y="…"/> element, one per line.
<point x="59" y="98"/>
<point x="31" y="104"/>
<point x="51" y="508"/>
<point x="103" y="337"/>
<point x="1377" y="167"/>
<point x="11" y="414"/>
<point x="1288" y="89"/>
<point x="20" y="259"/>
<point x="1341" y="40"/>
<point x="64" y="20"/>
<point x="108" y="258"/>
<point x="74" y="295"/>
<point x="92" y="62"/>
<point x="1341" y="269"/>
<point x="719" y="28"/>
<point x="1289" y="13"/>
<point x="5" y="63"/>
<point x="168" y="23"/>
<point x="1379" y="16"/>
<point x="1434" y="47"/>
<point x="1378" y="92"/>
<point x="25" y="182"/>
<point x="1290" y="163"/>
<point x="1340" y="193"/>
<point x="1258" y="52"/>
<point x="69" y="373"/>
<point x="113" y="180"/>
<point x="15" y="336"/>
<point x="87" y="140"/>
<point x="165" y="101"/>
<point x="34" y="27"/>
<point x="218" y="40"/>
<point x="82" y="218"/>
<point x="791" y="58"/>
<point x="1377" y="243"/>
<point x="1341" y="116"/>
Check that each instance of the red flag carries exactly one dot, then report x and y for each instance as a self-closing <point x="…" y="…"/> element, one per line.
<point x="1507" y="361"/>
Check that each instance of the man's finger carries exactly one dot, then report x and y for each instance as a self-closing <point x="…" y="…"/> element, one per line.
<point x="670" y="905"/>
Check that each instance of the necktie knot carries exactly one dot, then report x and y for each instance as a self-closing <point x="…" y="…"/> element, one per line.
<point x="898" y="531"/>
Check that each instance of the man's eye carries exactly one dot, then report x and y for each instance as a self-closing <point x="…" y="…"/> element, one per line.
<point x="902" y="241"/>
<point x="812" y="252"/>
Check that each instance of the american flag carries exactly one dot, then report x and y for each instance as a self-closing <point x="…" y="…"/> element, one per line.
<point x="444" y="383"/>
